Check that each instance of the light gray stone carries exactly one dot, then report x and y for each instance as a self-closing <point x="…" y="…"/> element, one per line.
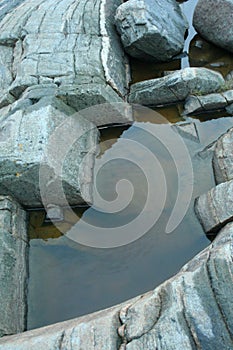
<point x="194" y="104"/>
<point x="151" y="30"/>
<point x="191" y="310"/>
<point x="213" y="20"/>
<point x="215" y="208"/>
<point x="70" y="44"/>
<point x="91" y="332"/>
<point x="13" y="267"/>
<point x="223" y="158"/>
<point x="176" y="86"/>
<point x="32" y="142"/>
<point x="187" y="130"/>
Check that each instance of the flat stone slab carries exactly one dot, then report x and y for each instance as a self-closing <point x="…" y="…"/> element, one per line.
<point x="215" y="208"/>
<point x="223" y="158"/>
<point x="215" y="101"/>
<point x="192" y="309"/>
<point x="175" y="87"/>
<point x="146" y="32"/>
<point x="13" y="267"/>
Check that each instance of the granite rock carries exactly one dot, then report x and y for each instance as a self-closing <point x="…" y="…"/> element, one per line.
<point x="70" y="44"/>
<point x="13" y="267"/>
<point x="215" y="208"/>
<point x="223" y="158"/>
<point x="176" y="86"/>
<point x="33" y="163"/>
<point x="151" y="30"/>
<point x="213" y="20"/>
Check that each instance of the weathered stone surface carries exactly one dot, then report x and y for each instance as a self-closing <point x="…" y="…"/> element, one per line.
<point x="6" y="6"/>
<point x="191" y="310"/>
<point x="146" y="32"/>
<point x="175" y="86"/>
<point x="187" y="130"/>
<point x="215" y="208"/>
<point x="25" y="136"/>
<point x="91" y="332"/>
<point x="213" y="20"/>
<point x="223" y="158"/>
<point x="208" y="102"/>
<point x="70" y="44"/>
<point x="13" y="267"/>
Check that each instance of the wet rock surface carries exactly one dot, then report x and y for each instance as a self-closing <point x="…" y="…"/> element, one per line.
<point x="151" y="30"/>
<point x="213" y="20"/>
<point x="192" y="309"/>
<point x="175" y="87"/>
<point x="13" y="267"/>
<point x="223" y="158"/>
<point x="215" y="208"/>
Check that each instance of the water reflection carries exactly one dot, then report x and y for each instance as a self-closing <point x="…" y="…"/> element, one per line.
<point x="68" y="279"/>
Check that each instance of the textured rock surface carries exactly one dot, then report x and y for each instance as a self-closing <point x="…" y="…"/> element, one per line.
<point x="13" y="267"/>
<point x="192" y="310"/>
<point x="215" y="208"/>
<point x="187" y="130"/>
<point x="223" y="158"/>
<point x="73" y="45"/>
<point x="150" y="29"/>
<point x="209" y="102"/>
<point x="91" y="332"/>
<point x="175" y="86"/>
<point x="25" y="137"/>
<point x="213" y="20"/>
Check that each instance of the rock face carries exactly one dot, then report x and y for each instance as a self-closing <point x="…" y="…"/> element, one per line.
<point x="191" y="310"/>
<point x="30" y="145"/>
<point x="215" y="208"/>
<point x="208" y="102"/>
<point x="213" y="20"/>
<point x="13" y="267"/>
<point x="151" y="30"/>
<point x="223" y="158"/>
<point x="73" y="45"/>
<point x="175" y="86"/>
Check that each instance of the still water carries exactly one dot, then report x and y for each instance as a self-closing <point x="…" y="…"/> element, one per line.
<point x="68" y="279"/>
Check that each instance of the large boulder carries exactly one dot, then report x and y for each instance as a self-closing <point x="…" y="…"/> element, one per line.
<point x="223" y="158"/>
<point x="176" y="86"/>
<point x="191" y="310"/>
<point x="73" y="45"/>
<point x="151" y="30"/>
<point x="13" y="267"/>
<point x="213" y="20"/>
<point x="215" y="208"/>
<point x="34" y="140"/>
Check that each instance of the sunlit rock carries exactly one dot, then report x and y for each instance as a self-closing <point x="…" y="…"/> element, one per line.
<point x="72" y="44"/>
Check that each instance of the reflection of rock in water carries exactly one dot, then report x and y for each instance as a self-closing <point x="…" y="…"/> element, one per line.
<point x="203" y="53"/>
